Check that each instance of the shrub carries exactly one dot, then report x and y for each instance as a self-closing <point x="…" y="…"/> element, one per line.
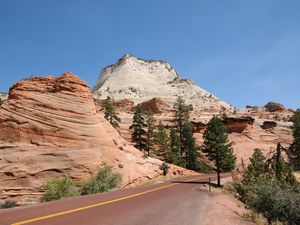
<point x="273" y="201"/>
<point x="201" y="167"/>
<point x="105" y="180"/>
<point x="59" y="188"/>
<point x="269" y="188"/>
<point x="8" y="204"/>
<point x="165" y="168"/>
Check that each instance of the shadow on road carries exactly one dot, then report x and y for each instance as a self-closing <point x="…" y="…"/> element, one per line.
<point x="196" y="182"/>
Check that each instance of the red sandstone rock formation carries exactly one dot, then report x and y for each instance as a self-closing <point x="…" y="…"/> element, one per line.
<point x="49" y="127"/>
<point x="198" y="126"/>
<point x="156" y="105"/>
<point x="237" y="125"/>
<point x="273" y="107"/>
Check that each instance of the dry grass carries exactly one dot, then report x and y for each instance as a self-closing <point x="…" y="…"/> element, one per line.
<point x="258" y="219"/>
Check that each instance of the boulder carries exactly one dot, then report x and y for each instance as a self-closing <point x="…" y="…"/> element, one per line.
<point x="274" y="107"/>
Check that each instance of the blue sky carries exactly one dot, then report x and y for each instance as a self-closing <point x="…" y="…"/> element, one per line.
<point x="246" y="52"/>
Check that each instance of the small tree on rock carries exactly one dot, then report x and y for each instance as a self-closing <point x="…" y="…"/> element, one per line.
<point x="162" y="141"/>
<point x="256" y="167"/>
<point x="150" y="129"/>
<point x="173" y="154"/>
<point x="110" y="113"/>
<point x="189" y="147"/>
<point x="139" y="129"/>
<point x="217" y="146"/>
<point x="181" y="117"/>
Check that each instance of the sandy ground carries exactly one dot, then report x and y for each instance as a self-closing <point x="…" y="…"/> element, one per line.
<point x="223" y="209"/>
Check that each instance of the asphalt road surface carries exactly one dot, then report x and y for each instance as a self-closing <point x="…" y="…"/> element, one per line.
<point x="168" y="203"/>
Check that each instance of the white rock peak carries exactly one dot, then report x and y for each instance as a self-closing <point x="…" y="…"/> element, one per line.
<point x="140" y="80"/>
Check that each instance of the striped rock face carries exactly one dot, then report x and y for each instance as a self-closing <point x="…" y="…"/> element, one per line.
<point x="49" y="127"/>
<point x="50" y="111"/>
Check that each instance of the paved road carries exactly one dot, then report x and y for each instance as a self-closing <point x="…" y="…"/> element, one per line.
<point x="168" y="203"/>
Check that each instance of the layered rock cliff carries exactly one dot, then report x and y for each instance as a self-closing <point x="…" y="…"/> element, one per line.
<point x="140" y="80"/>
<point x="49" y="127"/>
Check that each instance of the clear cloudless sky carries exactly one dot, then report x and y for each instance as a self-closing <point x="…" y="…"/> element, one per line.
<point x="246" y="52"/>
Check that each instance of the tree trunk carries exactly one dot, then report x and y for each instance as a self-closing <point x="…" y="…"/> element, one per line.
<point x="219" y="177"/>
<point x="278" y="156"/>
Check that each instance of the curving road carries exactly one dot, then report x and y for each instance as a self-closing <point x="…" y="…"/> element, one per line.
<point x="168" y="203"/>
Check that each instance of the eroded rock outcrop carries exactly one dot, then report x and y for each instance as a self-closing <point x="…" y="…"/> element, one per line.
<point x="49" y="127"/>
<point x="274" y="107"/>
<point x="237" y="125"/>
<point x="268" y="125"/>
<point x="155" y="105"/>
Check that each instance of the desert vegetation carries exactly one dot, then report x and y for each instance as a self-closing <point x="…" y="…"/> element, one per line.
<point x="65" y="187"/>
<point x="59" y="188"/>
<point x="105" y="180"/>
<point x="174" y="143"/>
<point x="8" y="204"/>
<point x="267" y="185"/>
<point x="217" y="146"/>
<point x="110" y="113"/>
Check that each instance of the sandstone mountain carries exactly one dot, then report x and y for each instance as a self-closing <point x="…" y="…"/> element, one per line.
<point x="49" y="127"/>
<point x="156" y="85"/>
<point x="140" y="80"/>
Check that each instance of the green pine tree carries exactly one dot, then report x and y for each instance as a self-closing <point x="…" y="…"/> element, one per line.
<point x="110" y="113"/>
<point x="295" y="147"/>
<point x="139" y="129"/>
<point x="256" y="167"/>
<point x="181" y="117"/>
<point x="217" y="146"/>
<point x="150" y="122"/>
<point x="189" y="147"/>
<point x="173" y="153"/>
<point x="277" y="166"/>
<point x="162" y="141"/>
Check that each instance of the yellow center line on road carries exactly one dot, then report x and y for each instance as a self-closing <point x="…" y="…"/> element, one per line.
<point x="95" y="205"/>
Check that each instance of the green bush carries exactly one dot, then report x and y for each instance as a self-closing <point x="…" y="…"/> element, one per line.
<point x="8" y="204"/>
<point x="165" y="168"/>
<point x="105" y="180"/>
<point x="59" y="188"/>
<point x="269" y="188"/>
<point x="273" y="200"/>
<point x="201" y="167"/>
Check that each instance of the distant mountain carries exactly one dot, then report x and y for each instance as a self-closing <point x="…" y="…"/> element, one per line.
<point x="3" y="96"/>
<point x="140" y="80"/>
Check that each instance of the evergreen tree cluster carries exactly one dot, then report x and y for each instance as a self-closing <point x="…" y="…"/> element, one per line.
<point x="174" y="144"/>
<point x="269" y="188"/>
